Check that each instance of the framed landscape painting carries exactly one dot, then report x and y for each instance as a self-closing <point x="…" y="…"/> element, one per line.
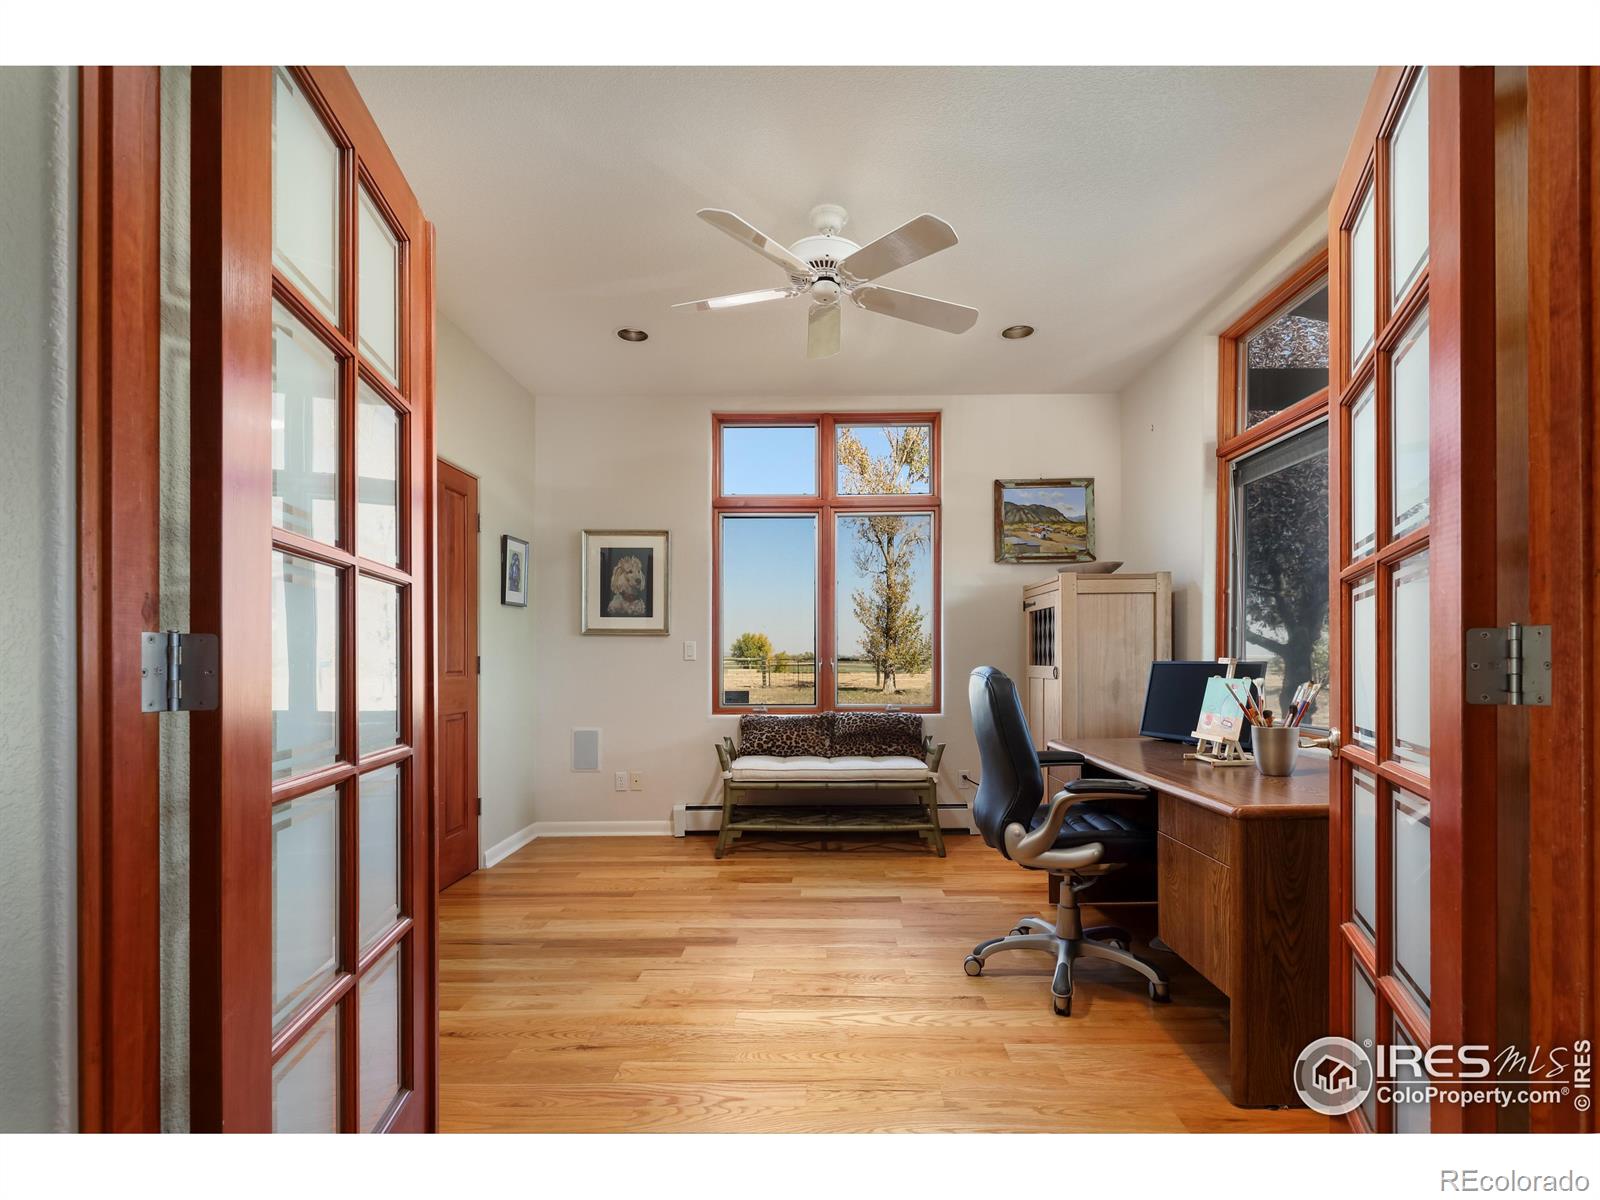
<point x="624" y="581"/>
<point x="1043" y="520"/>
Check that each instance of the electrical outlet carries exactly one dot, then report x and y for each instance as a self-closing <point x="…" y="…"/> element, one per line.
<point x="690" y="652"/>
<point x="967" y="781"/>
<point x="636" y="780"/>
<point x="620" y="781"/>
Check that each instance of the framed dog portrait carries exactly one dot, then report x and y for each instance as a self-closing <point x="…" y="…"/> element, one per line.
<point x="625" y="581"/>
<point x="513" y="571"/>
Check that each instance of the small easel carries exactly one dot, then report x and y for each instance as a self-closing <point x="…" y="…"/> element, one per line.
<point x="1222" y="751"/>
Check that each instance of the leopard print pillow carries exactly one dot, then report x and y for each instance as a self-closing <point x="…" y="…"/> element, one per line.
<point x="871" y="734"/>
<point x="785" y="736"/>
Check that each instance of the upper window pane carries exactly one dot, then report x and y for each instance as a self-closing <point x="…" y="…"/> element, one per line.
<point x="884" y="460"/>
<point x="305" y="430"/>
<point x="769" y="460"/>
<point x="1280" y="512"/>
<point x="884" y="609"/>
<point x="1408" y="191"/>
<point x="769" y="611"/>
<point x="1285" y="359"/>
<point x="1363" y="281"/>
<point x="378" y="305"/>
<point x="305" y="196"/>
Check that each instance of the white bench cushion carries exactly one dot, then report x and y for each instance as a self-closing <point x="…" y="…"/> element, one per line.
<point x="763" y="768"/>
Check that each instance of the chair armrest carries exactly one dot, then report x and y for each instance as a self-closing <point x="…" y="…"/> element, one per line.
<point x="725" y="756"/>
<point x="1111" y="789"/>
<point x="1027" y="847"/>
<point x="1060" y="758"/>
<point x="932" y="752"/>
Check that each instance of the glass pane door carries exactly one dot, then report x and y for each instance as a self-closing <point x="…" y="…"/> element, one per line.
<point x="1379" y="516"/>
<point x="343" y="787"/>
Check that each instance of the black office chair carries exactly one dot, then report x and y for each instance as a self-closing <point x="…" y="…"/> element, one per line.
<point x="1070" y="837"/>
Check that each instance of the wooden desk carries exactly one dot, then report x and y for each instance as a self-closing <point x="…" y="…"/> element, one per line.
<point x="1242" y="870"/>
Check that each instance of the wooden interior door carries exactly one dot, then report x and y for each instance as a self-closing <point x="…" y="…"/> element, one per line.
<point x="1413" y="552"/>
<point x="459" y="669"/>
<point x="1041" y="646"/>
<point x="312" y="845"/>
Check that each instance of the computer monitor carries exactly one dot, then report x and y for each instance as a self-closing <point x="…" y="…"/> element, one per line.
<point x="1175" y="692"/>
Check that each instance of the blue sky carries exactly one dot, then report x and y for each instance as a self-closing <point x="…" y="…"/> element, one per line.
<point x="1068" y="500"/>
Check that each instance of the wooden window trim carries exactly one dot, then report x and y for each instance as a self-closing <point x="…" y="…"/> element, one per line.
<point x="825" y="505"/>
<point x="1234" y="442"/>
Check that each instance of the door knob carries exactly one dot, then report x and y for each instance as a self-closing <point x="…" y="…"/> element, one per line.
<point x="1328" y="741"/>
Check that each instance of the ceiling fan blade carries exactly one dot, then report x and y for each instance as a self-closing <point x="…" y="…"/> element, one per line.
<point x="924" y="310"/>
<point x="738" y="299"/>
<point x="822" y="331"/>
<point x="741" y="230"/>
<point x="917" y="238"/>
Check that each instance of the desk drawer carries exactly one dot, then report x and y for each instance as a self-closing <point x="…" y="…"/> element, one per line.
<point x="1198" y="828"/>
<point x="1195" y="894"/>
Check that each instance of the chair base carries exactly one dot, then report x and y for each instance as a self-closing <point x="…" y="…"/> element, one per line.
<point x="1069" y="941"/>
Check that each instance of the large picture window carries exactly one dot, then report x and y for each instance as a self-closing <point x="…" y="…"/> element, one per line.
<point x="825" y="535"/>
<point x="1272" y="488"/>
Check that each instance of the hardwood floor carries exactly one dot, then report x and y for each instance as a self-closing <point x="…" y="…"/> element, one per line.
<point x="637" y="984"/>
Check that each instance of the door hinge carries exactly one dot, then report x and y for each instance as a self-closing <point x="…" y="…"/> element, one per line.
<point x="177" y="671"/>
<point x="1508" y="666"/>
<point x="480" y="664"/>
<point x="480" y="806"/>
<point x="480" y="522"/>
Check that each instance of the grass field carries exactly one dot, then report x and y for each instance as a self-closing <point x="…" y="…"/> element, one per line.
<point x="797" y="686"/>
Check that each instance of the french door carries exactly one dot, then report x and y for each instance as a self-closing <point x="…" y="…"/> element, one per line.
<point x="312" y="837"/>
<point x="1411" y="242"/>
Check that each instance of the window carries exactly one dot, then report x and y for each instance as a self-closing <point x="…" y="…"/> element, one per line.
<point x="826" y="544"/>
<point x="1272" y="452"/>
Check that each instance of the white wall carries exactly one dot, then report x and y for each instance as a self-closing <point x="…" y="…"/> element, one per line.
<point x="644" y="463"/>
<point x="485" y="425"/>
<point x="1168" y="436"/>
<point x="38" y="411"/>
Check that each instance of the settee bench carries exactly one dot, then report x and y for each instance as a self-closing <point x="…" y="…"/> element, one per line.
<point x="778" y="757"/>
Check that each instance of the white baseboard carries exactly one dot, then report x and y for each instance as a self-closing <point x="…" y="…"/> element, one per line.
<point x="605" y="828"/>
<point x="509" y="846"/>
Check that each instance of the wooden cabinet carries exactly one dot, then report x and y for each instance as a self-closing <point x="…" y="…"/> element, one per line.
<point x="1088" y="642"/>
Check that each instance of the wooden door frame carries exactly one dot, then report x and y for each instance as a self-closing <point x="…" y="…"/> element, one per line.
<point x="234" y="287"/>
<point x="119" y="481"/>
<point x="1564" y="498"/>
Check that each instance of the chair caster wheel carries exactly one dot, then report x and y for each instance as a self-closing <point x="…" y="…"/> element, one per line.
<point x="1160" y="993"/>
<point x="973" y="965"/>
<point x="1062" y="1005"/>
<point x="1021" y="931"/>
<point x="1117" y="944"/>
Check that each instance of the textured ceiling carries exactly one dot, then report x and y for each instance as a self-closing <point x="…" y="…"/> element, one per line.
<point x="1104" y="206"/>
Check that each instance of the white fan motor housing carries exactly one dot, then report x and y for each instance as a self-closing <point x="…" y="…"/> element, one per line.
<point x="824" y="251"/>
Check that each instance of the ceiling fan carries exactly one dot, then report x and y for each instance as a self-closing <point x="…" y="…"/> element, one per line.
<point x="828" y="268"/>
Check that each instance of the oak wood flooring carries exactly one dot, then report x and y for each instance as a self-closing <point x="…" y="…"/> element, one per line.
<point x="638" y="984"/>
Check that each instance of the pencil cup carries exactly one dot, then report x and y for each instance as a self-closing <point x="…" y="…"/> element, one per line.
<point x="1275" y="747"/>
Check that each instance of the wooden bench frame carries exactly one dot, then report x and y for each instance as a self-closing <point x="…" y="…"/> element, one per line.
<point x="842" y="818"/>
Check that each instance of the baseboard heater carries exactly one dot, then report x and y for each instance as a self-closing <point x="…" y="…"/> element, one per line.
<point x="707" y="818"/>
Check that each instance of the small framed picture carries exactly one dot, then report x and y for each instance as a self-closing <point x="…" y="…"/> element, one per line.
<point x="513" y="571"/>
<point x="624" y="581"/>
<point x="1043" y="520"/>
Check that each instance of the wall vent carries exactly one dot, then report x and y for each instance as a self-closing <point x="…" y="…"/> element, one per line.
<point x="585" y="749"/>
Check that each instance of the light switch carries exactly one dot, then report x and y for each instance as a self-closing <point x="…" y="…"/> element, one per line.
<point x="690" y="651"/>
<point x="620" y="781"/>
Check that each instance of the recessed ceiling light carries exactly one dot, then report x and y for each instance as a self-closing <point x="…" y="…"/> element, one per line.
<point x="632" y="335"/>
<point x="1017" y="331"/>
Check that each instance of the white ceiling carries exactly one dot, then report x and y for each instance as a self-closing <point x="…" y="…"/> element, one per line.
<point x="1105" y="206"/>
